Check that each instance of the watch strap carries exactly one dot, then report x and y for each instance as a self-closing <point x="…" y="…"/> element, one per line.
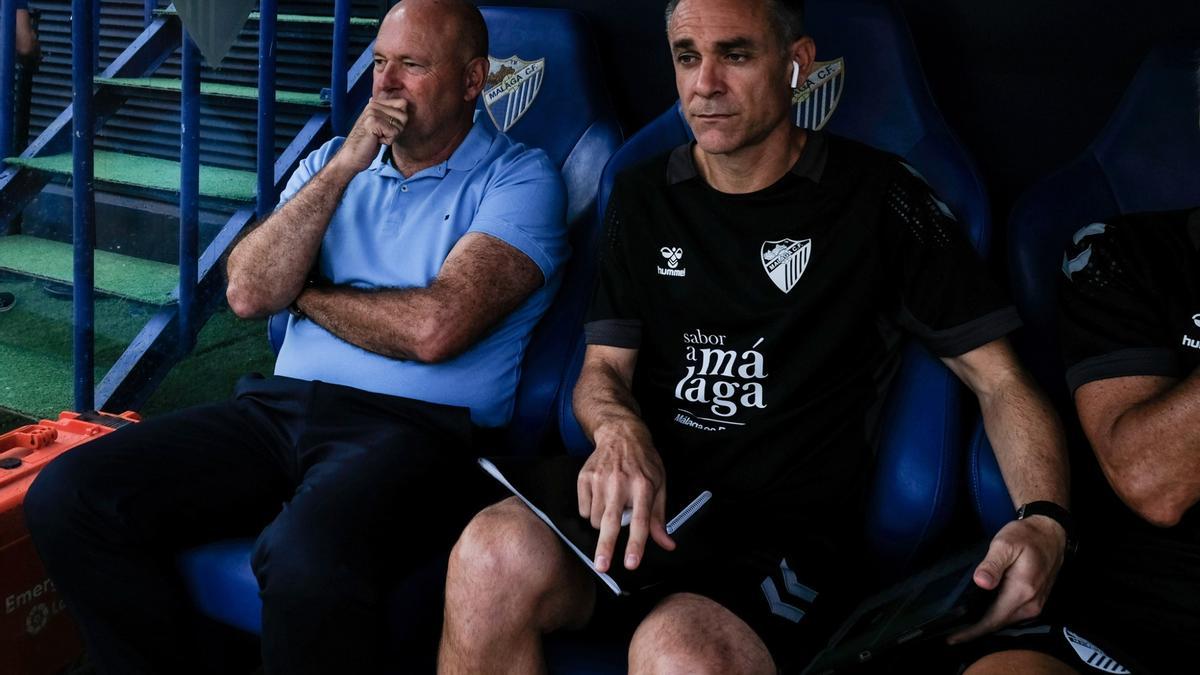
<point x="1058" y="514"/>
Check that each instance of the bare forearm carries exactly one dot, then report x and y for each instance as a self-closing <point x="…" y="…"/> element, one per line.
<point x="267" y="268"/>
<point x="603" y="398"/>
<point x="482" y="280"/>
<point x="391" y="322"/>
<point x="1152" y="455"/>
<point x="27" y="40"/>
<point x="1028" y="441"/>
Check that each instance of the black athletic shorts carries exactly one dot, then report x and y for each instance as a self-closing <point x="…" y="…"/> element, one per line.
<point x="1078" y="649"/>
<point x="1126" y="608"/>
<point x="794" y="597"/>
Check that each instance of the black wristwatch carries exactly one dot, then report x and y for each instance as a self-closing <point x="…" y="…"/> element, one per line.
<point x="294" y="309"/>
<point x="1056" y="513"/>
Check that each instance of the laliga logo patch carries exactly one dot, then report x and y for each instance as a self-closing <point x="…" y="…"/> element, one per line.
<point x="817" y="97"/>
<point x="511" y="87"/>
<point x="785" y="261"/>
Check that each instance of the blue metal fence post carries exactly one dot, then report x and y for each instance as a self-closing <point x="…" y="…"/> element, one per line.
<point x="84" y="200"/>
<point x="148" y="8"/>
<point x="189" y="191"/>
<point x="268" y="11"/>
<point x="8" y="66"/>
<point x="341" y="44"/>
<point x="96" y="35"/>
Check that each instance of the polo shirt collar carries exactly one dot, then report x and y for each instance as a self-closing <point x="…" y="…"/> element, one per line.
<point x="681" y="165"/>
<point x="465" y="157"/>
<point x="472" y="150"/>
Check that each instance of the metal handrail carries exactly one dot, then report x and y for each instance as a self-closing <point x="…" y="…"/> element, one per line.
<point x="85" y="41"/>
<point x="95" y="22"/>
<point x="268" y="15"/>
<point x="189" y="190"/>
<point x="337" y="80"/>
<point x="8" y="66"/>
<point x="83" y="208"/>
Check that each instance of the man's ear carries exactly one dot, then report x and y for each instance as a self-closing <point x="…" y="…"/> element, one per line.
<point x="803" y="52"/>
<point x="475" y="76"/>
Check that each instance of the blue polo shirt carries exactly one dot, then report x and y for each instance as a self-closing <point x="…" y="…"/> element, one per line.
<point x="395" y="232"/>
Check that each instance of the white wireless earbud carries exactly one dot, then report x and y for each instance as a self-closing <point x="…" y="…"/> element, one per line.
<point x="795" y="73"/>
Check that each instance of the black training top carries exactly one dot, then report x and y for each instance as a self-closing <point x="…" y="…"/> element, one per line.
<point x="1130" y="298"/>
<point x="768" y="324"/>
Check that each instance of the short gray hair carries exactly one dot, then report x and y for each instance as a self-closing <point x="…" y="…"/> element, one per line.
<point x="787" y="18"/>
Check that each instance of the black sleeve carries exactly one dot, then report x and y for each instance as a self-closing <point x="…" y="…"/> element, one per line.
<point x="614" y="318"/>
<point x="948" y="300"/>
<point x="1111" y="322"/>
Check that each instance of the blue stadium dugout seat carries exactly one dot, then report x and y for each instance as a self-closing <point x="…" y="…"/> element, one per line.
<point x="571" y="118"/>
<point x="1147" y="158"/>
<point x="881" y="99"/>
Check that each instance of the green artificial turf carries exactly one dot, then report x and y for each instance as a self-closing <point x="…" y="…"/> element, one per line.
<point x="150" y="172"/>
<point x="213" y="89"/>
<point x="36" y="368"/>
<point x="227" y="348"/>
<point x="133" y="278"/>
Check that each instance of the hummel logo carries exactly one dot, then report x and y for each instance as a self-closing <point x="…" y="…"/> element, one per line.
<point x="672" y="254"/>
<point x="1196" y="319"/>
<point x="1191" y="342"/>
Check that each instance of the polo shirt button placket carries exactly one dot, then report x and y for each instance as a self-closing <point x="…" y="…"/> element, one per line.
<point x="404" y="188"/>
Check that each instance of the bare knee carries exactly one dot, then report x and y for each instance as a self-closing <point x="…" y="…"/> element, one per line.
<point x="502" y="548"/>
<point x="689" y="633"/>
<point x="510" y="562"/>
<point x="1019" y="662"/>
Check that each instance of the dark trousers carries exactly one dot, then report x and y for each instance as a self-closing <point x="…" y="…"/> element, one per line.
<point x="355" y="490"/>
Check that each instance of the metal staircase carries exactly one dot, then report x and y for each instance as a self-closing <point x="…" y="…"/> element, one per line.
<point x="244" y="150"/>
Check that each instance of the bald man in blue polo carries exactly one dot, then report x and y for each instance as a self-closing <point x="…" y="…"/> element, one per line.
<point x="415" y="255"/>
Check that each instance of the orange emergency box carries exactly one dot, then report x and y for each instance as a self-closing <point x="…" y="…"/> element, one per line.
<point x="37" y="636"/>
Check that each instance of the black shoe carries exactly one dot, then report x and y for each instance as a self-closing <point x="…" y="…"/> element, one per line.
<point x="7" y="300"/>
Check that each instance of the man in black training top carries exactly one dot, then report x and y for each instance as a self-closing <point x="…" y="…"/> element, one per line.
<point x="755" y="288"/>
<point x="1130" y="328"/>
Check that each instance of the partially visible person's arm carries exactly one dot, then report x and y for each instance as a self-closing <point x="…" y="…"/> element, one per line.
<point x="268" y="267"/>
<point x="27" y="39"/>
<point x="1026" y="435"/>
<point x="1136" y="399"/>
<point x="1145" y="434"/>
<point x="625" y="470"/>
<point x="482" y="280"/>
<point x="948" y="301"/>
<point x="1022" y="426"/>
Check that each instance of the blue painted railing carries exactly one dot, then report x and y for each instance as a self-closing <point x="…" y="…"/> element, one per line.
<point x="95" y="22"/>
<point x="268" y="14"/>
<point x="8" y="67"/>
<point x="337" y="81"/>
<point x="83" y="210"/>
<point x="189" y="190"/>
<point x="136" y="368"/>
